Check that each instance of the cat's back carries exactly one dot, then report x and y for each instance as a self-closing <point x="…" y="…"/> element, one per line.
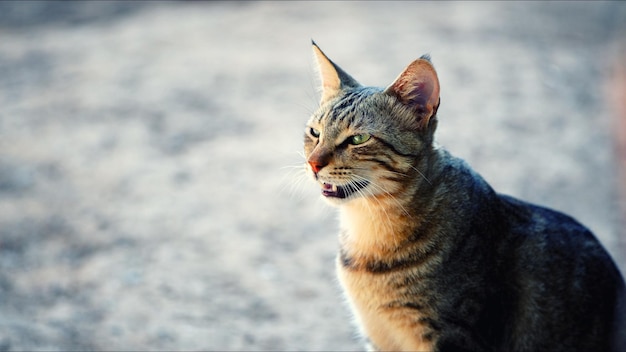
<point x="547" y="282"/>
<point x="559" y="272"/>
<point x="540" y="232"/>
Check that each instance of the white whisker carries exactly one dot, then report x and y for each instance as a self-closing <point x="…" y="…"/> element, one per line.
<point x="383" y="190"/>
<point x="295" y="178"/>
<point x="421" y="174"/>
<point x="370" y="193"/>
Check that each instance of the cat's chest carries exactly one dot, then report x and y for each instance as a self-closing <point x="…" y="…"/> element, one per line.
<point x="385" y="313"/>
<point x="367" y="230"/>
<point x="388" y="312"/>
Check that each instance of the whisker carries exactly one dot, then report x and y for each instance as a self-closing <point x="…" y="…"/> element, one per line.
<point x="301" y="153"/>
<point x="292" y="167"/>
<point x="295" y="178"/>
<point x="382" y="189"/>
<point x="421" y="174"/>
<point x="388" y="223"/>
<point x="360" y="192"/>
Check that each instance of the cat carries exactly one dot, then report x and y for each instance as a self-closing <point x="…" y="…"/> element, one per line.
<point x="431" y="258"/>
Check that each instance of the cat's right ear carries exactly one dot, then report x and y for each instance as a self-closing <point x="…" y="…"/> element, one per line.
<point x="333" y="79"/>
<point x="417" y="87"/>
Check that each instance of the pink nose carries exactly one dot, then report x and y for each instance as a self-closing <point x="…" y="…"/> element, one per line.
<point x="316" y="166"/>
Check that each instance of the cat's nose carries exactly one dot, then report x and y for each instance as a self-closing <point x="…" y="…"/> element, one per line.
<point x="317" y="165"/>
<point x="319" y="159"/>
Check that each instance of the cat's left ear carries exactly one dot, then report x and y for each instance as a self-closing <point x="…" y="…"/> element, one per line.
<point x="334" y="79"/>
<point x="418" y="88"/>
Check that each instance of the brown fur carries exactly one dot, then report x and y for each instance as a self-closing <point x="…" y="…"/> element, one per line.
<point x="371" y="237"/>
<point x="431" y="258"/>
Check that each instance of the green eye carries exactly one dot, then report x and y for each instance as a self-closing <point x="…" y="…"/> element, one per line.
<point x="359" y="138"/>
<point x="315" y="133"/>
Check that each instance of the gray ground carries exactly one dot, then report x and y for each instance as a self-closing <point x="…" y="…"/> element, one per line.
<point x="148" y="199"/>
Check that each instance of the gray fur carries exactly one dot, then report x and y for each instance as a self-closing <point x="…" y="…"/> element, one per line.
<point x="482" y="271"/>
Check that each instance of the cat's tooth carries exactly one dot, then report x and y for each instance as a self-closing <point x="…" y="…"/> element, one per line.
<point x="334" y="187"/>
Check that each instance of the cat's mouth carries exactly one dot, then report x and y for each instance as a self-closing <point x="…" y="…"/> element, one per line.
<point x="336" y="191"/>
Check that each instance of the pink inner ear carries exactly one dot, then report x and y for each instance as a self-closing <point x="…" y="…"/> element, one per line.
<point x="417" y="87"/>
<point x="418" y="93"/>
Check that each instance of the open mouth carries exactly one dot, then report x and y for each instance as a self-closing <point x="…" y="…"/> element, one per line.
<point x="345" y="191"/>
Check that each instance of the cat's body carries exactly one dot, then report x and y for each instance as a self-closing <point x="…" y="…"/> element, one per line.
<point x="431" y="258"/>
<point x="545" y="285"/>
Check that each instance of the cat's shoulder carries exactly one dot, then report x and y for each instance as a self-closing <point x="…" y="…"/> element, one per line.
<point x="533" y="218"/>
<point x="546" y="233"/>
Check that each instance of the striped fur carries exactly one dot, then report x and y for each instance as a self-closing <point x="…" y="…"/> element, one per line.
<point x="431" y="258"/>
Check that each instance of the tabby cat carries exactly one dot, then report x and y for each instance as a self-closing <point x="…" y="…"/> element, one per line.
<point x="431" y="258"/>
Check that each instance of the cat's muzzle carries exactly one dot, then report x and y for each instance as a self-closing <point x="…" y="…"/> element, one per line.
<point x="331" y="190"/>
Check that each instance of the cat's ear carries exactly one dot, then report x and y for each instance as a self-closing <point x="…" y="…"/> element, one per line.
<point x="334" y="79"/>
<point x="418" y="88"/>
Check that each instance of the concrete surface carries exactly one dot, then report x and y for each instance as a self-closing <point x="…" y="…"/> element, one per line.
<point x="151" y="190"/>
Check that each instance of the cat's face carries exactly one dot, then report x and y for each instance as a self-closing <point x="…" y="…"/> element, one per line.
<point x="355" y="147"/>
<point x="367" y="142"/>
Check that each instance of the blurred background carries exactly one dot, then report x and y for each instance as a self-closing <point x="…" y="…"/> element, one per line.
<point x="151" y="195"/>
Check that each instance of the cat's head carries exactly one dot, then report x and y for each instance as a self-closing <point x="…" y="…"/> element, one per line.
<point x="370" y="142"/>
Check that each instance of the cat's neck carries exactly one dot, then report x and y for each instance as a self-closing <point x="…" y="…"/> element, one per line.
<point x="370" y="226"/>
<point x="377" y="227"/>
<point x="374" y="227"/>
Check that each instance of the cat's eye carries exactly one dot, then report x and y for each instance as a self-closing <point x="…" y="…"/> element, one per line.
<point x="313" y="132"/>
<point x="359" y="138"/>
